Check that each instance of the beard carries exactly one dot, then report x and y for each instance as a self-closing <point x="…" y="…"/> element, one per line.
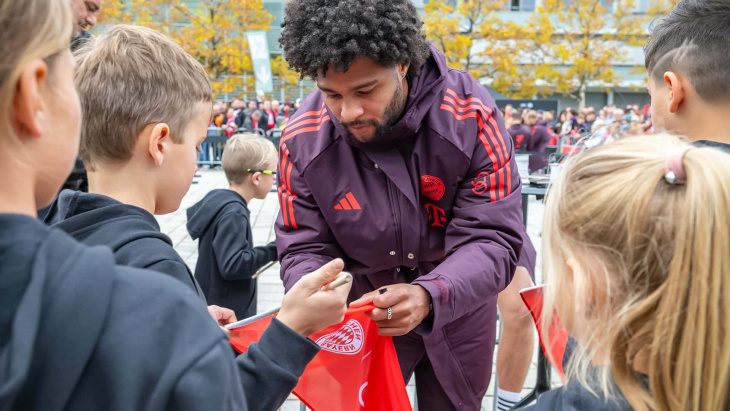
<point x="391" y="115"/>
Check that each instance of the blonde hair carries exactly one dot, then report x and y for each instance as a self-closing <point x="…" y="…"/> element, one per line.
<point x="246" y="151"/>
<point x="129" y="78"/>
<point x="655" y="278"/>
<point x="29" y="30"/>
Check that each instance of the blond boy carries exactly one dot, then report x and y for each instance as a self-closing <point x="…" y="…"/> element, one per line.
<point x="220" y="222"/>
<point x="146" y="106"/>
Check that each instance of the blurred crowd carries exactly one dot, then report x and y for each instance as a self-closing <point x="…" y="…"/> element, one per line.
<point x="253" y="116"/>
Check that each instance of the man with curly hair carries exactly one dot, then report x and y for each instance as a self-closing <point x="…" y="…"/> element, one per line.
<point x="401" y="166"/>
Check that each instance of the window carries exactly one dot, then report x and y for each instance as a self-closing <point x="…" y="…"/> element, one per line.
<point x="521" y="5"/>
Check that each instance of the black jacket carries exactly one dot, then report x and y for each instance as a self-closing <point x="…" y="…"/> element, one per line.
<point x="715" y="144"/>
<point x="226" y="256"/>
<point x="79" y="333"/>
<point x="575" y="397"/>
<point x="132" y="233"/>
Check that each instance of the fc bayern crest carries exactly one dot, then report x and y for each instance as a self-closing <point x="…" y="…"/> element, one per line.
<point x="347" y="340"/>
<point x="432" y="188"/>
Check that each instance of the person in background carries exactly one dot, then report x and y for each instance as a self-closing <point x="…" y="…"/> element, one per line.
<point x="253" y="123"/>
<point x="519" y="132"/>
<point x="84" y="14"/>
<point x="509" y="112"/>
<point x="638" y="273"/>
<point x="538" y="141"/>
<point x="237" y="107"/>
<point x="231" y="122"/>
<point x="218" y="119"/>
<point x="268" y="116"/>
<point x="590" y="118"/>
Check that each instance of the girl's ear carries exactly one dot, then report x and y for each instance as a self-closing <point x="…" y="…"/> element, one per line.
<point x="27" y="103"/>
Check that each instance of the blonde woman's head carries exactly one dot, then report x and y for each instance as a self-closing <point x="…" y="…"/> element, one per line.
<point x="639" y="271"/>
<point x="39" y="108"/>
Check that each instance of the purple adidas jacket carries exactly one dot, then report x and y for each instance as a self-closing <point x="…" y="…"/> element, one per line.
<point x="437" y="204"/>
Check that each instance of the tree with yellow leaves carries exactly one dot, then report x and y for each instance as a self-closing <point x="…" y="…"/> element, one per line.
<point x="575" y="44"/>
<point x="213" y="31"/>
<point x="474" y="38"/>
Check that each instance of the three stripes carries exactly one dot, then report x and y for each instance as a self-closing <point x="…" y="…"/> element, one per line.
<point x="307" y="122"/>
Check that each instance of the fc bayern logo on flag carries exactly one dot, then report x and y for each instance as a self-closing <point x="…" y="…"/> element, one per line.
<point x="432" y="188"/>
<point x="347" y="340"/>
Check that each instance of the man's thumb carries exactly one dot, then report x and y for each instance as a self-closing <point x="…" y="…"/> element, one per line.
<point x="326" y="274"/>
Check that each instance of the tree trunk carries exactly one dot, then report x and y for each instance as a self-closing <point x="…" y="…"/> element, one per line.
<point x="582" y="96"/>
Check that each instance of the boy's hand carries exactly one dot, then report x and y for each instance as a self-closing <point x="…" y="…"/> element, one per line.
<point x="223" y="316"/>
<point x="307" y="308"/>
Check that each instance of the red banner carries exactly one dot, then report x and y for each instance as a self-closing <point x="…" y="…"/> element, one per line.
<point x="356" y="369"/>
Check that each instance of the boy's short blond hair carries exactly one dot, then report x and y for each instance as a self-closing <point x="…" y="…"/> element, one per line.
<point x="246" y="151"/>
<point x="129" y="78"/>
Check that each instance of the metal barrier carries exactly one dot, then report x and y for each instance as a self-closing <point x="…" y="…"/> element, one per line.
<point x="212" y="147"/>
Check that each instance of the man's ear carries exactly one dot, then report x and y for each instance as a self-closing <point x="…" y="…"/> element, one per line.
<point x="677" y="91"/>
<point x="27" y="102"/>
<point x="403" y="70"/>
<point x="158" y="142"/>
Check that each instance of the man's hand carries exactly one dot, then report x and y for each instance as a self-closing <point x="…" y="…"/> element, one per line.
<point x="308" y="308"/>
<point x="408" y="303"/>
<point x="223" y="316"/>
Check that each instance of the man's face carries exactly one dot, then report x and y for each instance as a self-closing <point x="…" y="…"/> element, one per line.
<point x="275" y="105"/>
<point x="591" y="116"/>
<point x="84" y="14"/>
<point x="252" y="105"/>
<point x="256" y="116"/>
<point x="267" y="105"/>
<point x="367" y="99"/>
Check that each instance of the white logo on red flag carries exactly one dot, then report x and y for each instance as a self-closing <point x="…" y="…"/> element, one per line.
<point x="347" y="340"/>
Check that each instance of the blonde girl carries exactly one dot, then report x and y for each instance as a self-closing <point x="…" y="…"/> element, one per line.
<point x="637" y="253"/>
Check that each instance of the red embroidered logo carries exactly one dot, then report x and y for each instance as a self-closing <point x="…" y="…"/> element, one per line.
<point x="436" y="215"/>
<point x="480" y="183"/>
<point x="348" y="203"/>
<point x="347" y="340"/>
<point x="432" y="188"/>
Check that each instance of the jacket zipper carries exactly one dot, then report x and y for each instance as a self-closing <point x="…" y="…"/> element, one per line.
<point x="393" y="212"/>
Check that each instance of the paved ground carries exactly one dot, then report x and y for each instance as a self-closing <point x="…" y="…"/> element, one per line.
<point x="271" y="290"/>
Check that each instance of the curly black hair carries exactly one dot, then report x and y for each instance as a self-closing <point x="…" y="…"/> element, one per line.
<point x="317" y="33"/>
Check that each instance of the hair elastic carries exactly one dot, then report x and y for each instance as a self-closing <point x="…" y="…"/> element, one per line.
<point x="674" y="171"/>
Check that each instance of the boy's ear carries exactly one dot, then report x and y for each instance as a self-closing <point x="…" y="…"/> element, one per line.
<point x="677" y="90"/>
<point x="27" y="104"/>
<point x="256" y="178"/>
<point x="159" y="139"/>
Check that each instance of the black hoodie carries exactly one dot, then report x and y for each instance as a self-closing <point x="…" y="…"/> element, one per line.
<point x="132" y="233"/>
<point x="226" y="256"/>
<point x="79" y="333"/>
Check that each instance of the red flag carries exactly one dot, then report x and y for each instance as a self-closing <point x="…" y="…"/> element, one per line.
<point x="558" y="335"/>
<point x="356" y="369"/>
